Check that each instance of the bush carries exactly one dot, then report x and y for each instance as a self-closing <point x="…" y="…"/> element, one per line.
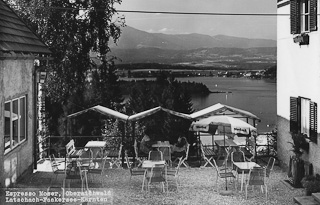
<point x="311" y="183"/>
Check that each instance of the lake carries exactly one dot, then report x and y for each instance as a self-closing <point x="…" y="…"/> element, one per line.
<point x="255" y="96"/>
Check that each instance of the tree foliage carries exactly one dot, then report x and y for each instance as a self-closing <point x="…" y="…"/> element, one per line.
<point x="165" y="92"/>
<point x="72" y="31"/>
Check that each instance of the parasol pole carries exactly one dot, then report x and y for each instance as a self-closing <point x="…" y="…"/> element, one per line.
<point x="225" y="163"/>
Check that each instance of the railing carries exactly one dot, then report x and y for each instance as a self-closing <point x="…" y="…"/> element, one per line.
<point x="262" y="150"/>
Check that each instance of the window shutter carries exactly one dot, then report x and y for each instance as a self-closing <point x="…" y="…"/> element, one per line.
<point x="295" y="16"/>
<point x="313" y="122"/>
<point x="294" y="115"/>
<point x="313" y="15"/>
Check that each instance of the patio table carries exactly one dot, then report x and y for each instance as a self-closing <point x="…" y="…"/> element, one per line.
<point x="95" y="146"/>
<point x="223" y="145"/>
<point x="244" y="167"/>
<point x="148" y="164"/>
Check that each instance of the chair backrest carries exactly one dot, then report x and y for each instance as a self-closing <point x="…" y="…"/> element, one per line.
<point x="257" y="176"/>
<point x="127" y="159"/>
<point x="54" y="164"/>
<point x="158" y="174"/>
<point x="155" y="155"/>
<point x="120" y="151"/>
<point x="216" y="167"/>
<point x="202" y="150"/>
<point x="270" y="166"/>
<point x="79" y="169"/>
<point x="238" y="156"/>
<point x="70" y="147"/>
<point x="135" y="147"/>
<point x="187" y="151"/>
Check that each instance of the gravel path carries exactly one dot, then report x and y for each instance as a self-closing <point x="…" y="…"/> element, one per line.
<point x="197" y="187"/>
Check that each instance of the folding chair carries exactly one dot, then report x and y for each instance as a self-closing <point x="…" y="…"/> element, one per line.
<point x="136" y="152"/>
<point x="222" y="173"/>
<point x="184" y="160"/>
<point x="270" y="165"/>
<point x="76" y="173"/>
<point x="135" y="169"/>
<point x="158" y="174"/>
<point x="55" y="168"/>
<point x="174" y="171"/>
<point x="206" y="152"/>
<point x="257" y="177"/>
<point x="155" y="156"/>
<point x="269" y="169"/>
<point x="117" y="160"/>
<point x="98" y="168"/>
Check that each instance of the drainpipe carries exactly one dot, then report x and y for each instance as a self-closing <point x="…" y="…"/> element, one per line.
<point x="34" y="133"/>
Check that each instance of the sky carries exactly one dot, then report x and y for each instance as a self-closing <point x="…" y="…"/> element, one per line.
<point x="248" y="26"/>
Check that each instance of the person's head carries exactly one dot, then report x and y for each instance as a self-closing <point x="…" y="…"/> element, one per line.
<point x="146" y="138"/>
<point x="183" y="140"/>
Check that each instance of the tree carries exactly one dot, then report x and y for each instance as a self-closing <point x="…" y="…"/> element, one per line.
<point x="165" y="92"/>
<point x="72" y="31"/>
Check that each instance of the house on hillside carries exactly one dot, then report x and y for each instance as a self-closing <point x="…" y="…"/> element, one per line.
<point x="19" y="49"/>
<point x="298" y="77"/>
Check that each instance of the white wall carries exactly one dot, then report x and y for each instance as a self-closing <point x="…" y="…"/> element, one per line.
<point x="298" y="74"/>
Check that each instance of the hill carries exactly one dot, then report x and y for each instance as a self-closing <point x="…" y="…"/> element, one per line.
<point x="132" y="38"/>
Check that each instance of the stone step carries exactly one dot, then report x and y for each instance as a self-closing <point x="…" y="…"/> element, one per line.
<point x="305" y="200"/>
<point x="316" y="196"/>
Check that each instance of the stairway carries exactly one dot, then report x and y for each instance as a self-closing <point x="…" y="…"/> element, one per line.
<point x="314" y="199"/>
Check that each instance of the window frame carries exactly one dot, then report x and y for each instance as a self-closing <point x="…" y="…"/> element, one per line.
<point x="305" y="16"/>
<point x="297" y="123"/>
<point x="298" y="16"/>
<point x="22" y="132"/>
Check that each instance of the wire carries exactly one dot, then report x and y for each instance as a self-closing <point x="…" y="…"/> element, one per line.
<point x="163" y="12"/>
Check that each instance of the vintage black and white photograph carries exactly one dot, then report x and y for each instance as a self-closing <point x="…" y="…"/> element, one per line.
<point x="169" y="102"/>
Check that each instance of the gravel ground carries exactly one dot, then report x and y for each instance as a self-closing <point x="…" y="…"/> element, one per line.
<point x="197" y="187"/>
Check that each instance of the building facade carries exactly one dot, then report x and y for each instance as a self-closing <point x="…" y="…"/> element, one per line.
<point x="298" y="77"/>
<point x="19" y="49"/>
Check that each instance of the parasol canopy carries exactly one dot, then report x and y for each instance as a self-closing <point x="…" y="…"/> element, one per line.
<point x="223" y="124"/>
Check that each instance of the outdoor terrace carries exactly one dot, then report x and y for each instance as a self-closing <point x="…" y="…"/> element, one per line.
<point x="197" y="187"/>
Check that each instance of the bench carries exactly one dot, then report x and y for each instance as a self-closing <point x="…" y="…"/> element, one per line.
<point x="71" y="150"/>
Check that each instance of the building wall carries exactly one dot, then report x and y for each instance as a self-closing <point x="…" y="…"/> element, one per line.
<point x="16" y="80"/>
<point x="298" y="74"/>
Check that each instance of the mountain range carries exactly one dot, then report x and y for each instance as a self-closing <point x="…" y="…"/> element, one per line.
<point x="135" y="46"/>
<point x="132" y="38"/>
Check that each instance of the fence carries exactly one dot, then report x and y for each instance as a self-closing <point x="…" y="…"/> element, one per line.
<point x="265" y="145"/>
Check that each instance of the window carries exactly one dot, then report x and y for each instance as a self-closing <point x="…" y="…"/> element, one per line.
<point x="303" y="117"/>
<point x="15" y="123"/>
<point x="303" y="16"/>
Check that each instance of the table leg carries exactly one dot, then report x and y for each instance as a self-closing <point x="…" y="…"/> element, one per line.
<point x="242" y="179"/>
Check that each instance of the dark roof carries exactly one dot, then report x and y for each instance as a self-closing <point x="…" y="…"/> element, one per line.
<point x="16" y="36"/>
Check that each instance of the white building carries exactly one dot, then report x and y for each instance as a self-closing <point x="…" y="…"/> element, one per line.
<point x="298" y="77"/>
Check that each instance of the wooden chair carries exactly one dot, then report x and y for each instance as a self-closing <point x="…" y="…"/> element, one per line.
<point x="207" y="155"/>
<point x="155" y="156"/>
<point x="257" y="177"/>
<point x="116" y="160"/>
<point x="71" y="150"/>
<point x="158" y="174"/>
<point x="184" y="160"/>
<point x="222" y="173"/>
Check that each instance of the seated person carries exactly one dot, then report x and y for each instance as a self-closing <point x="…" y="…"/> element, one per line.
<point x="180" y="148"/>
<point x="145" y="144"/>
